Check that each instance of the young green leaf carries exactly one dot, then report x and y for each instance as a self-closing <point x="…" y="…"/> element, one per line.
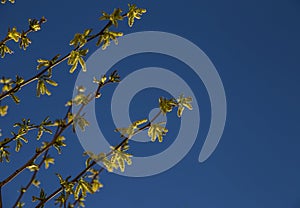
<point x="15" y="98"/>
<point x="65" y="184"/>
<point x="41" y="86"/>
<point x="4" y="153"/>
<point x="13" y="34"/>
<point x="47" y="162"/>
<point x="114" y="17"/>
<point x="110" y="166"/>
<point x="59" y="143"/>
<point x="34" y="24"/>
<point x="5" y="50"/>
<point x="119" y="157"/>
<point x="134" y="13"/>
<point x="182" y="103"/>
<point x="107" y="36"/>
<point x="166" y="105"/>
<point x="25" y="41"/>
<point x="75" y="58"/>
<point x="130" y="131"/>
<point x="3" y="110"/>
<point x="33" y="167"/>
<point x="114" y="76"/>
<point x="79" y="39"/>
<point x="19" y="143"/>
<point x="83" y="187"/>
<point x="157" y="131"/>
<point x="96" y="185"/>
<point x="47" y="63"/>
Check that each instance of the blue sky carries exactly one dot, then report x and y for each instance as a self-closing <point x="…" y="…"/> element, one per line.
<point x="254" y="46"/>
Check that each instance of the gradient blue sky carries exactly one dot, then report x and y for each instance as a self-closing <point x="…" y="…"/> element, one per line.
<point x="255" y="48"/>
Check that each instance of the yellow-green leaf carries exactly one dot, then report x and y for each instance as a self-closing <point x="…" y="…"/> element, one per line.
<point x="3" y="110"/>
<point x="157" y="131"/>
<point x="33" y="167"/>
<point x="47" y="161"/>
<point x="96" y="185"/>
<point x="166" y="105"/>
<point x="4" y="50"/>
<point x="134" y="13"/>
<point x="182" y="103"/>
<point x="13" y="34"/>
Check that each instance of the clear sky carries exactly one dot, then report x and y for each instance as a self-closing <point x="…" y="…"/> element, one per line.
<point x="254" y="45"/>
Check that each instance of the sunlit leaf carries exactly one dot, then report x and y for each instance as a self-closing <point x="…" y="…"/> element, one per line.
<point x="166" y="105"/>
<point x="96" y="185"/>
<point x="82" y="187"/>
<point x="4" y="153"/>
<point x="68" y="186"/>
<point x="114" y="17"/>
<point x="15" y="98"/>
<point x="110" y="166"/>
<point x="157" y="131"/>
<point x="5" y="50"/>
<point x="119" y="157"/>
<point x="25" y="41"/>
<point x="59" y="143"/>
<point x="182" y="103"/>
<point x="34" y="24"/>
<point x="33" y="167"/>
<point x="130" y="131"/>
<point x="114" y="76"/>
<point x="134" y="13"/>
<point x="79" y="39"/>
<point x="107" y="36"/>
<point x="14" y="34"/>
<point x="3" y="110"/>
<point x="75" y="58"/>
<point x="41" y="87"/>
<point x="47" y="161"/>
<point x="19" y="143"/>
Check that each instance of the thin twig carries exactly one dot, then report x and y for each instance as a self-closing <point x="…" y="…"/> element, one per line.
<point x="8" y="140"/>
<point x="62" y="129"/>
<point x="57" y="191"/>
<point x="23" y="190"/>
<point x="38" y="153"/>
<point x="59" y="61"/>
<point x="25" y="33"/>
<point x="33" y="158"/>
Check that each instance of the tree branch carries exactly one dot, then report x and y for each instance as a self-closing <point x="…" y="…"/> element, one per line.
<point x="25" y="33"/>
<point x="23" y="190"/>
<point x="57" y="191"/>
<point x="8" y="140"/>
<point x="60" y="130"/>
<point x="19" y="86"/>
